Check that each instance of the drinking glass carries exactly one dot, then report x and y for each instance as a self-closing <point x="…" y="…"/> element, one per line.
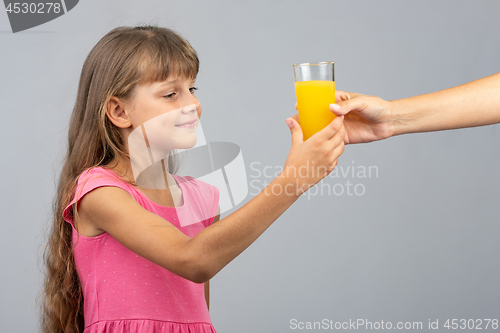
<point x="315" y="90"/>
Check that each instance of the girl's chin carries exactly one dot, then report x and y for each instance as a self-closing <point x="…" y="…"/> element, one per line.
<point x="187" y="145"/>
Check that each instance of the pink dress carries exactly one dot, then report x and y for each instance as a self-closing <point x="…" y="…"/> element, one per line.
<point x="124" y="292"/>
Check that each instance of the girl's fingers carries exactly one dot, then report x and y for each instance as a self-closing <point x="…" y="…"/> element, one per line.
<point x="334" y="158"/>
<point x="338" y="137"/>
<point x="296" y="117"/>
<point x="336" y="141"/>
<point x="338" y="150"/>
<point x="329" y="131"/>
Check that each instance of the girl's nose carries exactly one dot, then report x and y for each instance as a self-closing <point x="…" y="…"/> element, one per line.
<point x="195" y="107"/>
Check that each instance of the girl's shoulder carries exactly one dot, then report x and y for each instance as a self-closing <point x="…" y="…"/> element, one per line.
<point x="99" y="170"/>
<point x="91" y="179"/>
<point x="99" y="176"/>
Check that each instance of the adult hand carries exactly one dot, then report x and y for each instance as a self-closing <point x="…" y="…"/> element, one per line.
<point x="366" y="118"/>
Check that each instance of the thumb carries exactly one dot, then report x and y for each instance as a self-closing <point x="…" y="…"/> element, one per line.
<point x="343" y="107"/>
<point x="295" y="130"/>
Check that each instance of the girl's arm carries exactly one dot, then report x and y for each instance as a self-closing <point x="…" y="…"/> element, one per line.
<point x="370" y="118"/>
<point x="207" y="284"/>
<point x="199" y="258"/>
<point x="207" y="294"/>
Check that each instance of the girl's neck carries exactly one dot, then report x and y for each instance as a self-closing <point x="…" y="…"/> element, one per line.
<point x="123" y="168"/>
<point x="155" y="176"/>
<point x="155" y="182"/>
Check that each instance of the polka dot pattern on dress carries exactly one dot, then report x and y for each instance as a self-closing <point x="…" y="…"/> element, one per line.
<point x="118" y="282"/>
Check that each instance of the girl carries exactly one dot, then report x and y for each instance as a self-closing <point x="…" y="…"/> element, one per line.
<point x="118" y="260"/>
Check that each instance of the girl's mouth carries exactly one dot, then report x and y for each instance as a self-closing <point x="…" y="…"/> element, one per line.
<point x="189" y="124"/>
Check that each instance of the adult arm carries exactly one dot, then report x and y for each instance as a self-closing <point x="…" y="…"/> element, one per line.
<point x="370" y="118"/>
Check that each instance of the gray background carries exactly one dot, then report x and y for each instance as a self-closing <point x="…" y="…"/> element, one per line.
<point x="420" y="244"/>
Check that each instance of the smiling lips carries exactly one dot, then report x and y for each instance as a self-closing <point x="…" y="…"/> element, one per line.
<point x="189" y="124"/>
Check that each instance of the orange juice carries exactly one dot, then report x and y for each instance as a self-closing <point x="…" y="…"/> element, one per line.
<point x="313" y="99"/>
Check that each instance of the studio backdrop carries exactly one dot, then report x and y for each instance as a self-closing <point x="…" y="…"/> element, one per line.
<point x="404" y="231"/>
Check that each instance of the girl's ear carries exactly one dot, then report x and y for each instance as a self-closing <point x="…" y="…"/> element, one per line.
<point x="115" y="110"/>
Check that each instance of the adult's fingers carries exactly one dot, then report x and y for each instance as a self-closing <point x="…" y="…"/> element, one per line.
<point x="341" y="95"/>
<point x="357" y="103"/>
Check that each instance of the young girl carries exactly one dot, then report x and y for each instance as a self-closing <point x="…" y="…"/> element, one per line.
<point x="118" y="259"/>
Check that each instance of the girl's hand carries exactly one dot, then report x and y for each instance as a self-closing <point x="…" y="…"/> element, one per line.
<point x="310" y="161"/>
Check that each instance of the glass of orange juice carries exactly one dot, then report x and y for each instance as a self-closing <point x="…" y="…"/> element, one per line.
<point x="315" y="90"/>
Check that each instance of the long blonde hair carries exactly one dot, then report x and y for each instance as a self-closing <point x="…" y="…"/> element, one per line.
<point x="122" y="59"/>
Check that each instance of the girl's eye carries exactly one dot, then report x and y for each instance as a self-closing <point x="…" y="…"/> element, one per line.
<point x="170" y="96"/>
<point x="193" y="89"/>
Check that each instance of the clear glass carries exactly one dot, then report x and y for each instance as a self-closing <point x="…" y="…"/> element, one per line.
<point x="315" y="91"/>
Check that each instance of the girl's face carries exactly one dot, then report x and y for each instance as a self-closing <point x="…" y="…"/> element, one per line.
<point x="168" y="112"/>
